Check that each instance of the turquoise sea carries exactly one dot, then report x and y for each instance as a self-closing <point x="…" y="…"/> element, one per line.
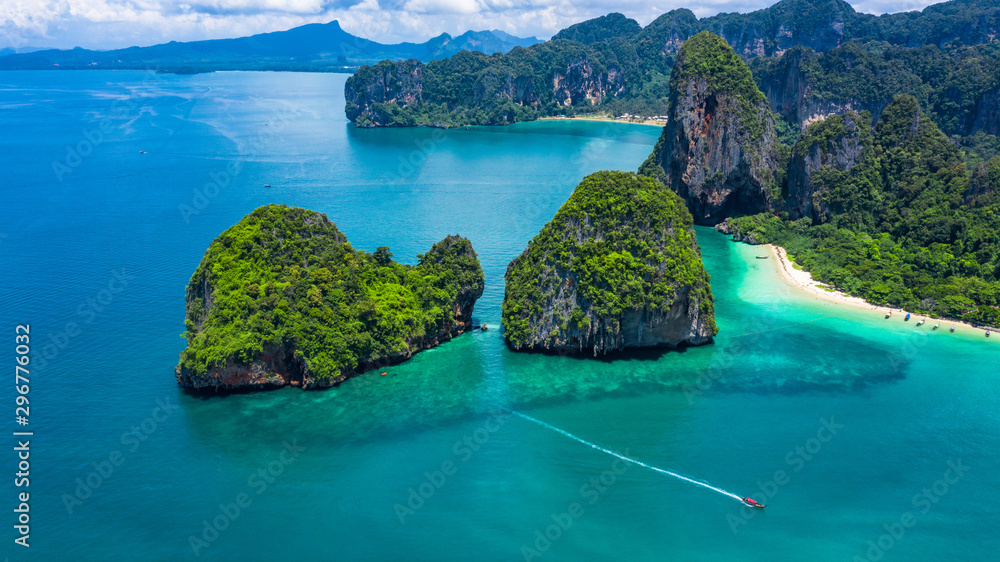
<point x="868" y="439"/>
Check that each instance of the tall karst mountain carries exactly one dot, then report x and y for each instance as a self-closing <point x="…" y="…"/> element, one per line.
<point x="718" y="150"/>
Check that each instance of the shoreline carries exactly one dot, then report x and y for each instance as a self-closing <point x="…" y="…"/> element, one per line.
<point x="660" y="124"/>
<point x="803" y="281"/>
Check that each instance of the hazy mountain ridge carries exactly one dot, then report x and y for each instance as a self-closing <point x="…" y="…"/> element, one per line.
<point x="313" y="47"/>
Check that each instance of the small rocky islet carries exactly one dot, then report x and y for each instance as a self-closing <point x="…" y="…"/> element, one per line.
<point x="617" y="267"/>
<point x="282" y="298"/>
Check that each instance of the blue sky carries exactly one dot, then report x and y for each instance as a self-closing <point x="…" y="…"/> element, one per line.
<point x="107" y="24"/>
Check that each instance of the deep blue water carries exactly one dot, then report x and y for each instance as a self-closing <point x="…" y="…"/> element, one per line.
<point x="115" y="184"/>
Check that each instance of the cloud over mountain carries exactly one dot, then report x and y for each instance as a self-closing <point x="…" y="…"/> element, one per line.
<point x="106" y="24"/>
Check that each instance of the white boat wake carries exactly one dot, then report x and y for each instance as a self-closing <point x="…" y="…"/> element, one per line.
<point x="627" y="459"/>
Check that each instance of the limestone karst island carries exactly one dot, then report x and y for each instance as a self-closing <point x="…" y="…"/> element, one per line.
<point x="617" y="267"/>
<point x="282" y="298"/>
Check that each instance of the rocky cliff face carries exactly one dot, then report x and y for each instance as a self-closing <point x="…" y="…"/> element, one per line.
<point x="399" y="83"/>
<point x="378" y="95"/>
<point x="790" y="92"/>
<point x="786" y="85"/>
<point x="718" y="149"/>
<point x="617" y="267"/>
<point x="581" y="83"/>
<point x="273" y="367"/>
<point x="987" y="116"/>
<point x="455" y="255"/>
<point x="819" y="25"/>
<point x="836" y="143"/>
<point x="964" y="22"/>
<point x="498" y="87"/>
<point x="667" y="33"/>
<point x="984" y="186"/>
<point x="864" y="62"/>
<point x="283" y="299"/>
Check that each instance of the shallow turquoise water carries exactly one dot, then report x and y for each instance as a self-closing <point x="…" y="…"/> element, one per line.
<point x="734" y="413"/>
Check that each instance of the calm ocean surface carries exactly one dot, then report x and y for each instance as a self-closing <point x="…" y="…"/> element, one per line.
<point x="114" y="185"/>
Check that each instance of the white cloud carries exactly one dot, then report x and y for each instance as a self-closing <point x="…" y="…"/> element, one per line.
<point x="881" y="7"/>
<point x="253" y="6"/>
<point x="105" y="24"/>
<point x="442" y="6"/>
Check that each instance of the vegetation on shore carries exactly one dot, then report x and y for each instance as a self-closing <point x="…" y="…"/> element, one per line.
<point x="914" y="223"/>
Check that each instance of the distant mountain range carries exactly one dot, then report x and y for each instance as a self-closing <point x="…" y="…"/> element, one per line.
<point x="314" y="47"/>
<point x="13" y="51"/>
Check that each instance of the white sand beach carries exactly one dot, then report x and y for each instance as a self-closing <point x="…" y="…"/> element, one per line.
<point x="804" y="281"/>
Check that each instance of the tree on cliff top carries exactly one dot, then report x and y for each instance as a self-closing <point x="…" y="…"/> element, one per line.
<point x="708" y="56"/>
<point x="924" y="173"/>
<point x="604" y="28"/>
